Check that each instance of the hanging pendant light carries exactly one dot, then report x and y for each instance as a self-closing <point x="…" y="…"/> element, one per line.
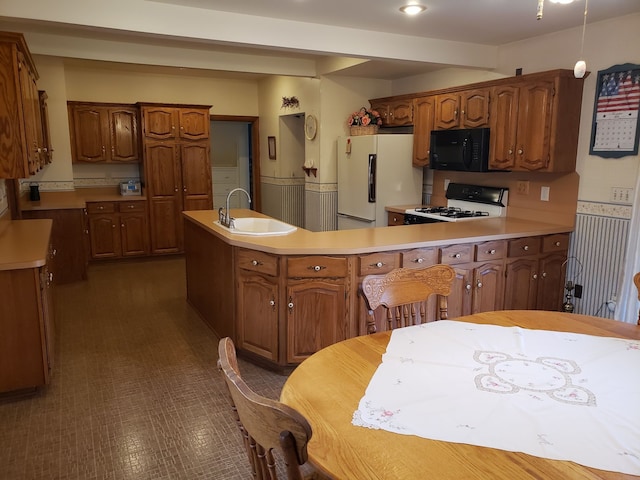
<point x="581" y="66"/>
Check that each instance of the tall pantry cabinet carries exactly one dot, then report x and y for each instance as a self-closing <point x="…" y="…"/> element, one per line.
<point x="176" y="169"/>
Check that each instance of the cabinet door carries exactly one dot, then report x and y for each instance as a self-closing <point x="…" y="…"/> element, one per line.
<point x="123" y="129"/>
<point x="159" y="123"/>
<point x="401" y="113"/>
<point x="257" y="310"/>
<point x="447" y="111"/>
<point x="48" y="323"/>
<point x="550" y="294"/>
<point x="162" y="170"/>
<point x="534" y="126"/>
<point x="459" y="302"/>
<point x="104" y="235"/>
<point x="521" y="284"/>
<point x="134" y="234"/>
<point x="423" y="117"/>
<point x="504" y="118"/>
<point x="90" y="133"/>
<point x="196" y="176"/>
<point x="383" y="109"/>
<point x="166" y="230"/>
<point x="475" y="108"/>
<point x="315" y="317"/>
<point x="31" y="114"/>
<point x="194" y="123"/>
<point x="488" y="287"/>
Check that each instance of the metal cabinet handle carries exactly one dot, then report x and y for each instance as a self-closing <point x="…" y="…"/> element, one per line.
<point x="468" y="287"/>
<point x="544" y="274"/>
<point x="520" y="151"/>
<point x="479" y="284"/>
<point x="113" y="225"/>
<point x="455" y="255"/>
<point x="316" y="268"/>
<point x="491" y="252"/>
<point x="272" y="302"/>
<point x="255" y="263"/>
<point x="184" y="189"/>
<point x="130" y="206"/>
<point x="419" y="260"/>
<point x="377" y="265"/>
<point x="535" y="276"/>
<point x="50" y="277"/>
<point x="54" y="252"/>
<point x="511" y="151"/>
<point x="557" y="244"/>
<point x="100" y="207"/>
<point x="525" y="248"/>
<point x="290" y="304"/>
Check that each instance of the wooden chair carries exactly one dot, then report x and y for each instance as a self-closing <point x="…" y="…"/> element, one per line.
<point x="403" y="293"/>
<point x="636" y="280"/>
<point x="265" y="424"/>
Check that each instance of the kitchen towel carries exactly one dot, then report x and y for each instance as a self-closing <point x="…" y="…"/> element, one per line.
<point x="555" y="395"/>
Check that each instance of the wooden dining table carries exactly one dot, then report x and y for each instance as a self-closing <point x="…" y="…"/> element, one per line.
<point x="328" y="386"/>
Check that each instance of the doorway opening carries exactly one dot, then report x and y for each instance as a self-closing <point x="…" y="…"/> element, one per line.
<point x="235" y="160"/>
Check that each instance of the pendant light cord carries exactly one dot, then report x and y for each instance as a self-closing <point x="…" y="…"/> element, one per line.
<point x="584" y="27"/>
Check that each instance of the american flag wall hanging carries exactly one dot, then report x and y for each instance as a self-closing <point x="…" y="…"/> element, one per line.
<point x="614" y="133"/>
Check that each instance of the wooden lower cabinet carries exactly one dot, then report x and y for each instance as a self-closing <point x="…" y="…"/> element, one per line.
<point x="118" y="229"/>
<point x="535" y="272"/>
<point x="258" y="303"/>
<point x="26" y="328"/>
<point x="316" y="304"/>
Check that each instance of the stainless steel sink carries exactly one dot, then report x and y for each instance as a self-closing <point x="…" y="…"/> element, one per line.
<point x="259" y="226"/>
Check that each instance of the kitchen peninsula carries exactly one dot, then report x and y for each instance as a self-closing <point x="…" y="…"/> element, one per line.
<point x="282" y="298"/>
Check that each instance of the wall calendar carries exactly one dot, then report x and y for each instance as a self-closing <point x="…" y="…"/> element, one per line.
<point x="614" y="133"/>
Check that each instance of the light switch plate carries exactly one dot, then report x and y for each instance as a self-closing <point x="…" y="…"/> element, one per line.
<point x="544" y="193"/>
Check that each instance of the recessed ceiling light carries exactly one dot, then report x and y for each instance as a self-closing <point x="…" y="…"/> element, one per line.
<point x="413" y="9"/>
<point x="564" y="2"/>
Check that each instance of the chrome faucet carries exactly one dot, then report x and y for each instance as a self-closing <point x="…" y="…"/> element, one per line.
<point x="223" y="212"/>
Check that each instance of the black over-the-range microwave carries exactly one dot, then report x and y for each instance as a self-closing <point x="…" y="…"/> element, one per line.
<point x="465" y="150"/>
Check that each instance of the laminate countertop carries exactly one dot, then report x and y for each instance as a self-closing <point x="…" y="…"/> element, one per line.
<point x="74" y="199"/>
<point x="24" y="243"/>
<point x="379" y="239"/>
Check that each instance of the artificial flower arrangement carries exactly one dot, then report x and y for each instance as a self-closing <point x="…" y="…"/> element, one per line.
<point x="364" y="117"/>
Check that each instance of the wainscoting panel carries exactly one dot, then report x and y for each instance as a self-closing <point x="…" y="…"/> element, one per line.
<point x="284" y="202"/>
<point x="321" y="209"/>
<point x="596" y="256"/>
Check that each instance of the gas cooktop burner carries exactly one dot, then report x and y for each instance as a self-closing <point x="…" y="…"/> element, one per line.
<point x="452" y="212"/>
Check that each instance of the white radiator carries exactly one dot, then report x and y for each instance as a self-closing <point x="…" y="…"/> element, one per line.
<point x="598" y="244"/>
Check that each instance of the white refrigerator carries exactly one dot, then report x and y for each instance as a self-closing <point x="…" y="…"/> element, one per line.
<point x="375" y="171"/>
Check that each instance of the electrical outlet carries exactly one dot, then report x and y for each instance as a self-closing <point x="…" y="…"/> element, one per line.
<point x="622" y="195"/>
<point x="522" y="187"/>
<point x="578" y="291"/>
<point x="544" y="193"/>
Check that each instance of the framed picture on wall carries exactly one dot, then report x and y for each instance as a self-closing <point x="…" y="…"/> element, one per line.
<point x="272" y="147"/>
<point x="614" y="131"/>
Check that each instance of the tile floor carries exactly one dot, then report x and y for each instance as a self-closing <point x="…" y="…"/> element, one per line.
<point x="135" y="392"/>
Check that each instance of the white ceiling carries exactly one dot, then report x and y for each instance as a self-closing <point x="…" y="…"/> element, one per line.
<point x="270" y="36"/>
<point x="488" y="22"/>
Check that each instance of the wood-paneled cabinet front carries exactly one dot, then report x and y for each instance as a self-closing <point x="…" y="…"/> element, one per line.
<point x="394" y="113"/>
<point x="27" y="328"/>
<point x="118" y="229"/>
<point x="423" y="119"/>
<point x="534" y="124"/>
<point x="535" y="272"/>
<point x="466" y="109"/>
<point x="19" y="109"/>
<point x="316" y="304"/>
<point x="258" y="303"/>
<point x="177" y="170"/>
<point x="104" y="133"/>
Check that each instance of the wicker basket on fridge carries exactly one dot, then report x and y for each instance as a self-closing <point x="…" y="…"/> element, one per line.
<point x="363" y="130"/>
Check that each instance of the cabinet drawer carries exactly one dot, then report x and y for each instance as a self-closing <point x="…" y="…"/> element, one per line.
<point x="491" y="250"/>
<point x="317" y="266"/>
<point x="555" y="243"/>
<point x="101" y="207"/>
<point x="524" y="246"/>
<point x="132" y="206"/>
<point x="457" y="254"/>
<point x="257" y="262"/>
<point x="419" y="257"/>
<point x="377" y="263"/>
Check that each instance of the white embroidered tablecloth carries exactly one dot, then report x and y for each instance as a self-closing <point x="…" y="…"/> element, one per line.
<point x="563" y="396"/>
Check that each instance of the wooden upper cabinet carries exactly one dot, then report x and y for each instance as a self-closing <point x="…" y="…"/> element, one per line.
<point x="19" y="109"/>
<point x="466" y="109"/>
<point x="165" y="122"/>
<point x="535" y="123"/>
<point x="104" y="133"/>
<point x="423" y="115"/>
<point x="394" y="113"/>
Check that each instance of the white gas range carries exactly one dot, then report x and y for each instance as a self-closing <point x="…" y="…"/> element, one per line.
<point x="464" y="202"/>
